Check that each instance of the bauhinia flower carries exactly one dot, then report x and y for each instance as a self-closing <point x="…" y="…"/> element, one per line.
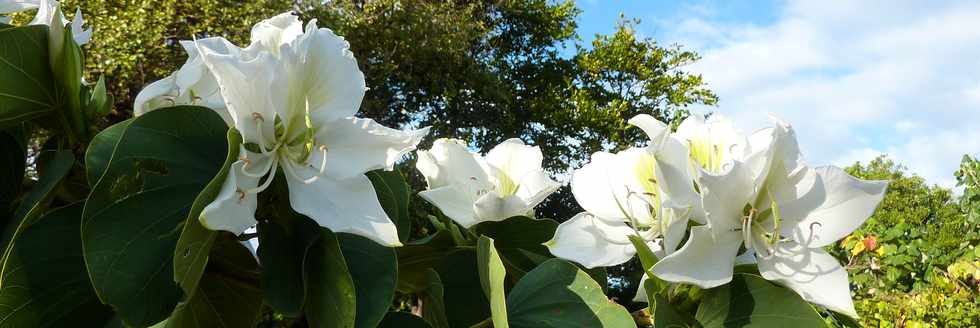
<point x="782" y="211"/>
<point x="469" y="188"/>
<point x="49" y="13"/>
<point x="292" y="95"/>
<point x="647" y="192"/>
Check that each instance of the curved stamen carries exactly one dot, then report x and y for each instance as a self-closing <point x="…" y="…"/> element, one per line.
<point x="292" y="170"/>
<point x="263" y="148"/>
<point x="268" y="179"/>
<point x="262" y="172"/>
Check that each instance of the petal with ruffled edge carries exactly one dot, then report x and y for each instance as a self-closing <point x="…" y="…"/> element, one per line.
<point x="272" y="33"/>
<point x="349" y="205"/>
<point x="356" y="145"/>
<point x="704" y="260"/>
<point x="493" y="207"/>
<point x="839" y="204"/>
<point x="724" y="196"/>
<point x="324" y="78"/>
<point x="812" y="273"/>
<point x="448" y="162"/>
<point x="80" y="34"/>
<point x="515" y="159"/>
<point x="592" y="242"/>
<point x="453" y="202"/>
<point x="232" y="209"/>
<point x="535" y="186"/>
<point x="150" y="97"/>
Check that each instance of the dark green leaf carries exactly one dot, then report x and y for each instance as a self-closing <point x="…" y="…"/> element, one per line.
<point x="100" y="150"/>
<point x="36" y="201"/>
<point x="402" y="320"/>
<point x="665" y="316"/>
<point x="191" y="254"/>
<point x="44" y="282"/>
<point x="433" y="302"/>
<point x="558" y="294"/>
<point x="393" y="193"/>
<point x="283" y="246"/>
<point x="751" y="301"/>
<point x="519" y="240"/>
<point x="492" y="274"/>
<point x="13" y="157"/>
<point x="27" y="87"/>
<point x="374" y="269"/>
<point x="465" y="302"/>
<point x="133" y="217"/>
<point x="416" y="257"/>
<point x="223" y="299"/>
<point x="331" y="299"/>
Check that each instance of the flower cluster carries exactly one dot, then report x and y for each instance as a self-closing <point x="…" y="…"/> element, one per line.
<point x="703" y="198"/>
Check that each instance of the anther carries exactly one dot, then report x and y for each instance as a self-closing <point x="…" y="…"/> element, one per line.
<point x="257" y="116"/>
<point x="241" y="194"/>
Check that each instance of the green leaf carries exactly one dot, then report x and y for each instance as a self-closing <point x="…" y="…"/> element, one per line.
<point x="13" y="157"/>
<point x="647" y="258"/>
<point x="434" y="304"/>
<point x="492" y="274"/>
<point x="665" y="316"/>
<point x="223" y="298"/>
<point x="402" y="320"/>
<point x="416" y="257"/>
<point x="283" y="246"/>
<point x="100" y="150"/>
<point x="191" y="254"/>
<point x="66" y="66"/>
<point x="331" y="299"/>
<point x="133" y="216"/>
<point x="27" y="87"/>
<point x="374" y="269"/>
<point x="56" y="167"/>
<point x="558" y="294"/>
<point x="465" y="301"/>
<point x="44" y="282"/>
<point x="520" y="241"/>
<point x="751" y="301"/>
<point x="393" y="193"/>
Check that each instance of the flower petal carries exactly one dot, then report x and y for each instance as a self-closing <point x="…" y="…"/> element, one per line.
<point x="329" y="83"/>
<point x="724" y="196"/>
<point x="357" y="145"/>
<point x="448" y="162"/>
<point x="655" y="130"/>
<point x="704" y="260"/>
<point x="150" y="97"/>
<point x="281" y="29"/>
<point x="839" y="204"/>
<point x="493" y="207"/>
<point x="812" y="273"/>
<point x="349" y="205"/>
<point x="592" y="242"/>
<point x="14" y="6"/>
<point x="591" y="187"/>
<point x="515" y="158"/>
<point x="80" y="34"/>
<point x="233" y="209"/>
<point x="453" y="202"/>
<point x="674" y="177"/>
<point x="535" y="186"/>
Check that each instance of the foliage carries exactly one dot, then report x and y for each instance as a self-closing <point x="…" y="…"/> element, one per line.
<point x="902" y="261"/>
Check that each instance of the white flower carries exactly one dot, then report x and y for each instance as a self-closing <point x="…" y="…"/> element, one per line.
<point x="49" y="13"/>
<point x="781" y="210"/>
<point x="646" y="192"/>
<point x="293" y="95"/>
<point x="470" y="188"/>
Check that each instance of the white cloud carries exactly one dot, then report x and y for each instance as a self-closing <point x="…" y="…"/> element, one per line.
<point x="855" y="78"/>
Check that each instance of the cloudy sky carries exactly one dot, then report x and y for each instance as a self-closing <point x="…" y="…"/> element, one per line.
<point x="855" y="78"/>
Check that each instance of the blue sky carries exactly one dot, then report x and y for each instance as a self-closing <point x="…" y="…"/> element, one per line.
<point x="855" y="78"/>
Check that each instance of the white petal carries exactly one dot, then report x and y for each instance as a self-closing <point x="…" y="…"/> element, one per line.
<point x="276" y="31"/>
<point x="535" y="186"/>
<point x="704" y="260"/>
<point x="724" y="196"/>
<point x="592" y="242"/>
<point x="515" y="158"/>
<point x="676" y="222"/>
<point x="448" y="162"/>
<point x="591" y="187"/>
<point x="232" y="210"/>
<point x="331" y="84"/>
<point x="675" y="179"/>
<point x="249" y="87"/>
<point x="149" y="98"/>
<point x="350" y="206"/>
<point x="493" y="207"/>
<point x="655" y="130"/>
<point x="79" y="33"/>
<point x="13" y="6"/>
<point x="812" y="273"/>
<point x="838" y="204"/>
<point x="454" y="203"/>
<point x="357" y="145"/>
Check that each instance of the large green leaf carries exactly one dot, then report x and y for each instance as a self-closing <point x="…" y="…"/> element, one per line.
<point x="751" y="301"/>
<point x="55" y="167"/>
<point x="330" y="295"/>
<point x="191" y="254"/>
<point x="27" y="87"/>
<point x="223" y="299"/>
<point x="492" y="274"/>
<point x="433" y="302"/>
<point x="44" y="282"/>
<point x="283" y="246"/>
<point x="393" y="193"/>
<point x="100" y="150"/>
<point x="402" y="320"/>
<point x="374" y="269"/>
<point x="519" y="240"/>
<point x="465" y="302"/>
<point x="416" y="257"/>
<point x="558" y="294"/>
<point x="133" y="216"/>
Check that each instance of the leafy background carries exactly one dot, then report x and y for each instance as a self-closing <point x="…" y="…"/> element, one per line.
<point x="485" y="71"/>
